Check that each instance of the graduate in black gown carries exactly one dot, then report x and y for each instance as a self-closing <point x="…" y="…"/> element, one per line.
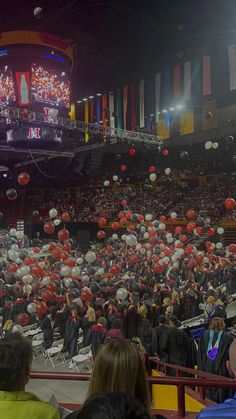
<point x="73" y="325"/>
<point x="213" y="352"/>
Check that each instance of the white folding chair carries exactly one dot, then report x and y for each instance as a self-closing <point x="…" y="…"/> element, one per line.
<point x="52" y="353"/>
<point x="84" y="359"/>
<point x="37" y="345"/>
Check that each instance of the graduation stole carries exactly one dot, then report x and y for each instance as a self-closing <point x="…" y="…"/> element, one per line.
<point x="212" y="351"/>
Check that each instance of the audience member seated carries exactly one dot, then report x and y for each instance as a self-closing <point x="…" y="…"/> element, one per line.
<point x="228" y="408"/>
<point x="15" y="366"/>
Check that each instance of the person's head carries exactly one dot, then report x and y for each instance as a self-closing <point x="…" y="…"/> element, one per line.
<point x="15" y="362"/>
<point x="211" y="300"/>
<point x="116" y="324"/>
<point x="137" y="341"/>
<point x="162" y="319"/>
<point x="231" y="364"/>
<point x="113" y="406"/>
<point x="102" y="321"/>
<point x="118" y="367"/>
<point x="173" y="321"/>
<point x="91" y="314"/>
<point x="143" y="311"/>
<point x="217" y="324"/>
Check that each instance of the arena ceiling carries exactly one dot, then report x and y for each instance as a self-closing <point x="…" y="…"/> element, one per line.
<point x="116" y="41"/>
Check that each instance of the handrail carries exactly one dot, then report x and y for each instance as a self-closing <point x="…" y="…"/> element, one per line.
<point x="179" y="382"/>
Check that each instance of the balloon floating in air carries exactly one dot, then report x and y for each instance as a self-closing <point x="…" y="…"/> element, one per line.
<point x="11" y="194"/>
<point x="38" y="12"/>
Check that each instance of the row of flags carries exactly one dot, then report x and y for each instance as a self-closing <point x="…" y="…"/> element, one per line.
<point x="157" y="103"/>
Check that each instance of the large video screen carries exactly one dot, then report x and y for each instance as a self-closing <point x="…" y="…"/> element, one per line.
<point x="7" y="90"/>
<point x="50" y="86"/>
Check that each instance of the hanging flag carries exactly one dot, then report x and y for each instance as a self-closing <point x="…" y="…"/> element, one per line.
<point x="187" y="122"/>
<point x="141" y="104"/>
<point x="91" y="111"/>
<point x="167" y="88"/>
<point x="206" y="75"/>
<point x="104" y="110"/>
<point x="133" y="107"/>
<point x="163" y="126"/>
<point x="209" y="116"/>
<point x="176" y="81"/>
<point x="125" y="106"/>
<point x="157" y="96"/>
<point x="72" y="111"/>
<point x="111" y="109"/>
<point x="118" y="109"/>
<point x="86" y="119"/>
<point x="187" y="81"/>
<point x="98" y="109"/>
<point x="232" y="66"/>
<point x="197" y="79"/>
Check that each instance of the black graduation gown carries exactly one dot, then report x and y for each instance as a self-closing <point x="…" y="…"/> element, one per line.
<point x="174" y="344"/>
<point x="71" y="336"/>
<point x="218" y="366"/>
<point x="47" y="330"/>
<point x="158" y="334"/>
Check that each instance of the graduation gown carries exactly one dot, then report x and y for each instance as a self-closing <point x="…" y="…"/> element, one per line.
<point x="218" y="366"/>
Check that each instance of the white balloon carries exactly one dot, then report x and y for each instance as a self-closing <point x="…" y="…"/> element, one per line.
<point x="13" y="232"/>
<point x="131" y="240"/>
<point x="27" y="289"/>
<point x="75" y="271"/>
<point x="38" y="12"/>
<point x="138" y="247"/>
<point x="115" y="178"/>
<point x="219" y="246"/>
<point x="17" y="328"/>
<point x="167" y="171"/>
<point x="100" y="271"/>
<point x="123" y="237"/>
<point x="215" y="145"/>
<point x="45" y="248"/>
<point x="15" y="247"/>
<point x="148" y="217"/>
<point x="146" y="236"/>
<point x="13" y="255"/>
<point x="106" y="183"/>
<point x="161" y="226"/>
<point x="142" y="229"/>
<point x="121" y="294"/>
<point x="52" y="213"/>
<point x="52" y="113"/>
<point x="90" y="257"/>
<point x="57" y="222"/>
<point x="67" y="282"/>
<point x="65" y="271"/>
<point x="79" y="261"/>
<point x="152" y="177"/>
<point x="115" y="236"/>
<point x="18" y="261"/>
<point x="142" y="251"/>
<point x="208" y="145"/>
<point x="173" y="215"/>
<point x="31" y="254"/>
<point x="19" y="235"/>
<point x="46" y="280"/>
<point x="31" y="308"/>
<point x="220" y="230"/>
<point x="27" y="279"/>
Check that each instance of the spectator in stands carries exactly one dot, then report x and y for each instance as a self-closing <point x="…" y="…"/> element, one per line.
<point x="15" y="366"/>
<point x="119" y="367"/>
<point x="228" y="408"/>
<point x="213" y="353"/>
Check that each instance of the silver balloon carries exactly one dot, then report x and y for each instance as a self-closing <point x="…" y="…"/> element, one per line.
<point x="31" y="308"/>
<point x="121" y="294"/>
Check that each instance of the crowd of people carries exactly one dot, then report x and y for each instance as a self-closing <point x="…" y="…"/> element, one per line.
<point x="7" y="90"/>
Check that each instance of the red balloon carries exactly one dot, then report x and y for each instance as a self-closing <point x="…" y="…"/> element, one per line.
<point x="41" y="309"/>
<point x="56" y="253"/>
<point x="158" y="268"/>
<point x="152" y="169"/>
<point x="70" y="262"/>
<point x="67" y="246"/>
<point x="115" y="270"/>
<point x="36" y="249"/>
<point x="140" y="218"/>
<point x="132" y="151"/>
<point x="165" y="152"/>
<point x="123" y="168"/>
<point x="109" y="249"/>
<point x="101" y="235"/>
<point x="54" y="277"/>
<point x="52" y="288"/>
<point x="115" y="225"/>
<point x="63" y="234"/>
<point x="123" y="221"/>
<point x="12" y="267"/>
<point x="183" y="238"/>
<point x="199" y="230"/>
<point x="52" y="246"/>
<point x="47" y="296"/>
<point x="210" y="232"/>
<point x="189" y="249"/>
<point x="230" y="203"/>
<point x="162" y="218"/>
<point x="191" y="227"/>
<point x="130" y="228"/>
<point x="102" y="222"/>
<point x="64" y="255"/>
<point x="178" y="230"/>
<point x="133" y="259"/>
<point x="65" y="217"/>
<point x="23" y="179"/>
<point x="28" y="261"/>
<point x="86" y="294"/>
<point x="23" y="319"/>
<point x="191" y="263"/>
<point x="232" y="248"/>
<point x="48" y="228"/>
<point x="123" y="202"/>
<point x="199" y="259"/>
<point x="128" y="215"/>
<point x="191" y="214"/>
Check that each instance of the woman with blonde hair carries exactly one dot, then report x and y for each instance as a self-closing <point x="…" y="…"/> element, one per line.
<point x="213" y="352"/>
<point x="119" y="368"/>
<point x="88" y="321"/>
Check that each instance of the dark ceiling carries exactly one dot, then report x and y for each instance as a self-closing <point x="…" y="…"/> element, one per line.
<point x="117" y="41"/>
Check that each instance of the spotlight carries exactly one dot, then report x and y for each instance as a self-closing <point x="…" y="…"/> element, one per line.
<point x="91" y="97"/>
<point x="85" y="99"/>
<point x="99" y="94"/>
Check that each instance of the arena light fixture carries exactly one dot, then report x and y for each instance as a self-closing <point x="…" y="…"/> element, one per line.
<point x="91" y="97"/>
<point x="179" y="106"/>
<point x="99" y="94"/>
<point x="172" y="109"/>
<point x="164" y="111"/>
<point x="85" y="99"/>
<point x="79" y="101"/>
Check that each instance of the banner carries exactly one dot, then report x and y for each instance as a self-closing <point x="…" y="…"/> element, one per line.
<point x="232" y="66"/>
<point x="163" y="128"/>
<point x="141" y="104"/>
<point x="176" y="81"/>
<point x="111" y="110"/>
<point x="206" y="75"/>
<point x="118" y="109"/>
<point x="86" y="119"/>
<point x="72" y="111"/>
<point x="187" y="122"/>
<point x="104" y="110"/>
<point x="23" y="87"/>
<point x="125" y="106"/>
<point x="133" y="99"/>
<point x="167" y="88"/>
<point x="157" y="96"/>
<point x="187" y="81"/>
<point x="209" y="116"/>
<point x="91" y="111"/>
